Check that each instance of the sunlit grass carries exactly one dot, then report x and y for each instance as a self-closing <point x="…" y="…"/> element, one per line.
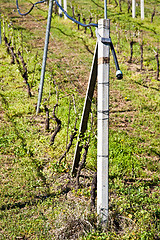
<point x="34" y="201"/>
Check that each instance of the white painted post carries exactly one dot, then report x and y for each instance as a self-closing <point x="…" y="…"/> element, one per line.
<point x="133" y="8"/>
<point x="60" y="11"/>
<point x="65" y="8"/>
<point x="105" y="9"/>
<point x="142" y="9"/>
<point x="103" y="121"/>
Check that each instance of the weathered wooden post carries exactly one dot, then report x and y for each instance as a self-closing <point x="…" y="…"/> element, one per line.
<point x="86" y="111"/>
<point x="103" y="119"/>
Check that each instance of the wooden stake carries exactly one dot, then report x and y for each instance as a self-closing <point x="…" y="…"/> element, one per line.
<point x="86" y="111"/>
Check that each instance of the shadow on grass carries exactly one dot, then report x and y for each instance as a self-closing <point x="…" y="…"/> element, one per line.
<point x="145" y="86"/>
<point x="97" y="4"/>
<point x="145" y="182"/>
<point x="35" y="201"/>
<point x="72" y="35"/>
<point x="4" y="101"/>
<point x="27" y="203"/>
<point x="64" y="33"/>
<point x="123" y="111"/>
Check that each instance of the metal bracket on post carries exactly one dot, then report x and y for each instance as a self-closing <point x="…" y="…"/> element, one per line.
<point x="119" y="73"/>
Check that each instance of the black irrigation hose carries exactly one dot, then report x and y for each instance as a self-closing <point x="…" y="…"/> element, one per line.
<point x="74" y="20"/>
<point x="24" y="14"/>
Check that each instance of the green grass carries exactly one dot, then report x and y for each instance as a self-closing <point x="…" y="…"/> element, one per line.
<point x="39" y="198"/>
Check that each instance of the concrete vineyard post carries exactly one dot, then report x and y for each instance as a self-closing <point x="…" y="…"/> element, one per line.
<point x="133" y="8"/>
<point x="103" y="120"/>
<point x="65" y="8"/>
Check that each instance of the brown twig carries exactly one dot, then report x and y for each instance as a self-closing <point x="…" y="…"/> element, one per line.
<point x="90" y="20"/>
<point x="120" y="6"/>
<point x="93" y="190"/>
<point x="10" y="49"/>
<point x="153" y="14"/>
<point x="68" y="123"/>
<point x="47" y="118"/>
<point x="129" y="6"/>
<point x="116" y="3"/>
<point x="79" y="18"/>
<point x="55" y="9"/>
<point x="72" y="136"/>
<point x="25" y="73"/>
<point x="131" y="48"/>
<point x="58" y="127"/>
<point x="83" y="162"/>
<point x="34" y="69"/>
<point x="157" y="60"/>
<point x="14" y="57"/>
<point x="73" y="14"/>
<point x="141" y="47"/>
<point x="85" y="29"/>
